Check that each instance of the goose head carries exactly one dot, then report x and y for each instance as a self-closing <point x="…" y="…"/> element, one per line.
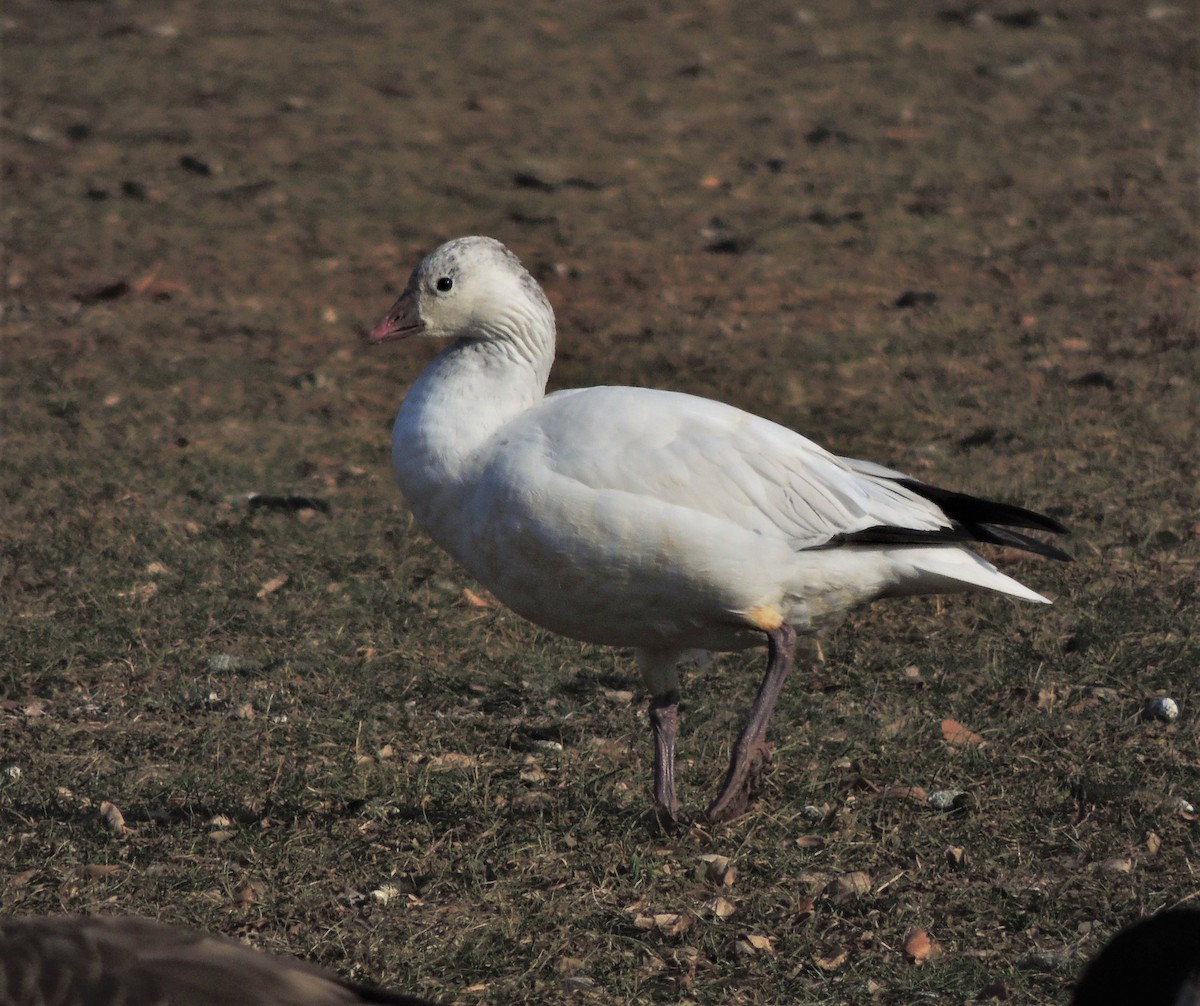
<point x="471" y="288"/>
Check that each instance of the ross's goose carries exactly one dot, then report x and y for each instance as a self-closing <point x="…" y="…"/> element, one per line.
<point x="86" y="961"/>
<point x="652" y="519"/>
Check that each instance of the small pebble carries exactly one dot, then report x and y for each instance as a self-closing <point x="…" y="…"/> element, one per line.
<point x="40" y="134"/>
<point x="1163" y="709"/>
<point x="947" y="799"/>
<point x="385" y="893"/>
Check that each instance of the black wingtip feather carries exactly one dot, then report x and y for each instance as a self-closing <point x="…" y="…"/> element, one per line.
<point x="884" y="535"/>
<point x="1014" y="539"/>
<point x="971" y="510"/>
<point x="990" y="521"/>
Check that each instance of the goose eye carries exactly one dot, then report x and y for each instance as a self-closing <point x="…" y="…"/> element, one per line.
<point x="444" y="284"/>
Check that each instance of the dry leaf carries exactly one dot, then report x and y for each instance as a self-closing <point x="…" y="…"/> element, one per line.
<point x="1153" y="843"/>
<point x="474" y="600"/>
<point x="804" y="909"/>
<point x="832" y="960"/>
<point x="757" y="942"/>
<point x="849" y="885"/>
<point x="956" y="857"/>
<point x="721" y="908"/>
<point x="140" y="591"/>
<point x="221" y="836"/>
<point x="272" y="585"/>
<point x="956" y="734"/>
<point x="720" y="870"/>
<point x="906" y="793"/>
<point x="148" y="284"/>
<point x="96" y="871"/>
<point x="451" y="760"/>
<point x="608" y="746"/>
<point x="532" y="773"/>
<point x="23" y="878"/>
<point x="111" y="815"/>
<point x="531" y="799"/>
<point x="671" y="923"/>
<point x="918" y="947"/>
<point x="810" y="842"/>
<point x="811" y="881"/>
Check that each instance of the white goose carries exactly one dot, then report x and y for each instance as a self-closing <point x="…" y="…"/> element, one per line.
<point x="661" y="521"/>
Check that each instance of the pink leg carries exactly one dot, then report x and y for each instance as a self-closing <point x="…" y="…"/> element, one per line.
<point x="750" y="750"/>
<point x="664" y="711"/>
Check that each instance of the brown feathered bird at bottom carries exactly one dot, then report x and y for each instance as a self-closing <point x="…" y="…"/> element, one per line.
<point x="125" y="961"/>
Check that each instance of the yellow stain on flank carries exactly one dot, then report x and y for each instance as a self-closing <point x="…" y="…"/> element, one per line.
<point x="766" y="617"/>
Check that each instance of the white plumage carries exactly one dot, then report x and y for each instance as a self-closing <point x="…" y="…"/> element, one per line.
<point x="662" y="521"/>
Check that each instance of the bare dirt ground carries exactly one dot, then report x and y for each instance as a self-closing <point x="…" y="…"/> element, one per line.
<point x="955" y="238"/>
